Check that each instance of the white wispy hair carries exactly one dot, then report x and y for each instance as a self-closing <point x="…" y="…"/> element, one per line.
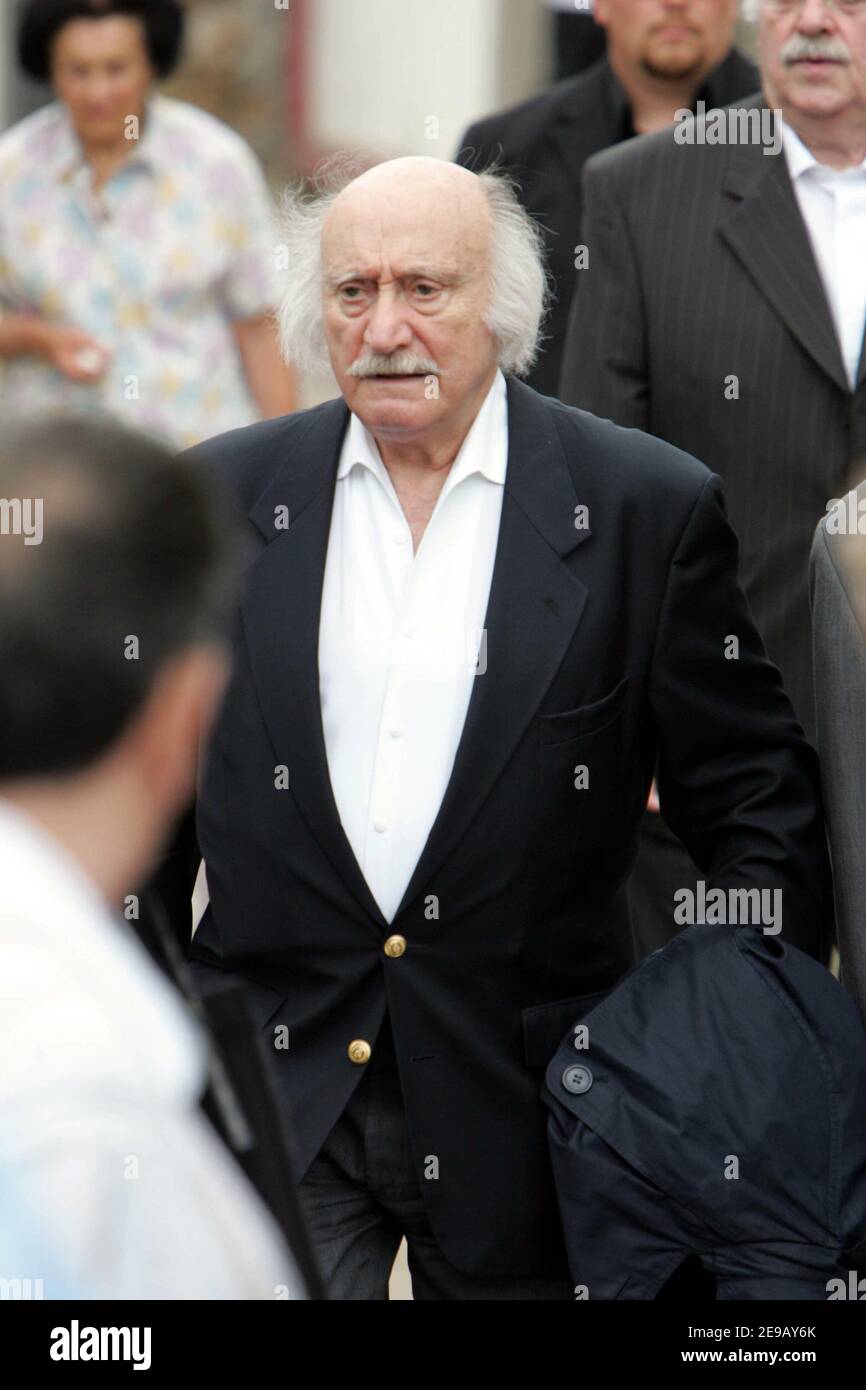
<point x="519" y="285"/>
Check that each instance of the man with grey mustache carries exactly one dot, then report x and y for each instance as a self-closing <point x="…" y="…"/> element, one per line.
<point x="723" y="310"/>
<point x="474" y="620"/>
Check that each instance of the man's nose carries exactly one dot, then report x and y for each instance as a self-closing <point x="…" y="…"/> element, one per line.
<point x="388" y="328"/>
<point x="814" y="17"/>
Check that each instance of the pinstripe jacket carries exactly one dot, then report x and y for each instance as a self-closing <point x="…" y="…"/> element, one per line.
<point x="703" y="319"/>
<point x="837" y="577"/>
<point x="544" y="144"/>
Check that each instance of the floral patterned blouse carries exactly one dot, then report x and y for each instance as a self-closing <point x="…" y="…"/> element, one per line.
<point x="175" y="245"/>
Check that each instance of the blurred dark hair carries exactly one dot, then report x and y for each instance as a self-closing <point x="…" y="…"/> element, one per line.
<point x="135" y="543"/>
<point x="40" y="21"/>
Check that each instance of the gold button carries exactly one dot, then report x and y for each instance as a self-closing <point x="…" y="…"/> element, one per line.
<point x="360" y="1051"/>
<point x="395" y="946"/>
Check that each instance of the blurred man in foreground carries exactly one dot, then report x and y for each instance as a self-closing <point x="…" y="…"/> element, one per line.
<point x="115" y="579"/>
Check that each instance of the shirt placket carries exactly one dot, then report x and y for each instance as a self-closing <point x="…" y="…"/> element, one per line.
<point x="389" y="747"/>
<point x="96" y="210"/>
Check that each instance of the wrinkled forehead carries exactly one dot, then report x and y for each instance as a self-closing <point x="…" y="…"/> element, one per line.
<point x="378" y="232"/>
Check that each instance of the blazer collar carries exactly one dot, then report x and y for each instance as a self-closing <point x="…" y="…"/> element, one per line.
<point x="312" y="470"/>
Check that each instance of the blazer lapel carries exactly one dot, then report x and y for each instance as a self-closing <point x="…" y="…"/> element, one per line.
<point x="280" y="617"/>
<point x="534" y="607"/>
<point x="762" y="224"/>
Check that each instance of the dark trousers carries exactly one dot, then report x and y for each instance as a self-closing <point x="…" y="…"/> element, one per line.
<point x="362" y="1196"/>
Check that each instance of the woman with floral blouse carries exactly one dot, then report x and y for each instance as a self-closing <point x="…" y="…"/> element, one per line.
<point x="136" y="236"/>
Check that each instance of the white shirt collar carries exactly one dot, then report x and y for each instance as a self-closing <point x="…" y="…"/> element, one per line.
<point x="801" y="159"/>
<point x="67" y="156"/>
<point x="477" y="453"/>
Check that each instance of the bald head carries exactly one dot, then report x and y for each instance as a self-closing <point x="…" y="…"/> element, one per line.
<point x="406" y="257"/>
<point x="419" y="195"/>
<point x="414" y="279"/>
<point x="416" y="176"/>
<point x="412" y="217"/>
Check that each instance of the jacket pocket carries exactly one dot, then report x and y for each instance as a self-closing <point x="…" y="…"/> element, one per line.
<point x="545" y="1025"/>
<point x="586" y="719"/>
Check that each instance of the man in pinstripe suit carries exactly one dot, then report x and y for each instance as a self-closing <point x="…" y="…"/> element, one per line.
<point x="661" y="54"/>
<point x="723" y="310"/>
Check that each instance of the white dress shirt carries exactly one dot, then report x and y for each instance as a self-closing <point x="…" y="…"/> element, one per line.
<point x="132" y="1193"/>
<point x="833" y="204"/>
<point x="400" y="638"/>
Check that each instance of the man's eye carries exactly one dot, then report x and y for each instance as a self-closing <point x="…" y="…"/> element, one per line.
<point x="425" y="291"/>
<point x="351" y="291"/>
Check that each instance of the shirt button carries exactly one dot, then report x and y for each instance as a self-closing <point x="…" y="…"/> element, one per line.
<point x="407" y="629"/>
<point x="395" y="946"/>
<point x="577" y="1080"/>
<point x="359" y="1051"/>
<point x="380" y="825"/>
<point x="396" y="731"/>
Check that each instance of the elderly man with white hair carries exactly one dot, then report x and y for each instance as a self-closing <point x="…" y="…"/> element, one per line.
<point x="474" y="620"/>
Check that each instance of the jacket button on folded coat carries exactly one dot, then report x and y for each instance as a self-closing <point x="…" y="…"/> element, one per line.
<point x="360" y="1051"/>
<point x="395" y="946"/>
<point x="577" y="1079"/>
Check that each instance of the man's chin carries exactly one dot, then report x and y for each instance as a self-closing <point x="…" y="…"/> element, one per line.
<point x="816" y="92"/>
<point x="390" y="414"/>
<point x="676" y="63"/>
<point x="819" y="76"/>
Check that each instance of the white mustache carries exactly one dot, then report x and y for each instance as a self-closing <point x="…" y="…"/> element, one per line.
<point x="393" y="364"/>
<point x="829" y="47"/>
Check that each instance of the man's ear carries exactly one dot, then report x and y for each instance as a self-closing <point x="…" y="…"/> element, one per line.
<point x="175" y="721"/>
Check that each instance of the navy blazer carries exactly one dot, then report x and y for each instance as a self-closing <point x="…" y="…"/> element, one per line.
<point x="614" y="592"/>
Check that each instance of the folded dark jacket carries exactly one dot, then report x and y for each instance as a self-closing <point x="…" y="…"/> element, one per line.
<point x="713" y="1103"/>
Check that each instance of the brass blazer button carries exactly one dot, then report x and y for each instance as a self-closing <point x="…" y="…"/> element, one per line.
<point x="395" y="946"/>
<point x="360" y="1051"/>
